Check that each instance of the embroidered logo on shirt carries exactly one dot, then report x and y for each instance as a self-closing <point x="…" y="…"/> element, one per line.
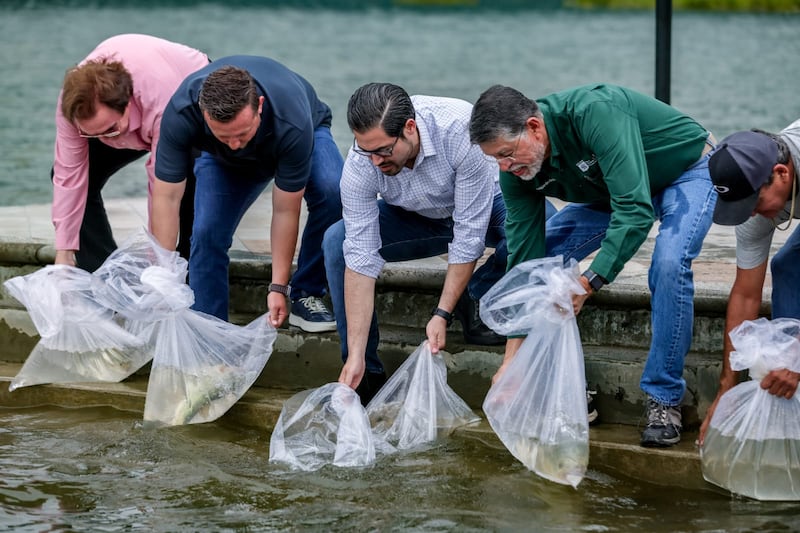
<point x="584" y="165"/>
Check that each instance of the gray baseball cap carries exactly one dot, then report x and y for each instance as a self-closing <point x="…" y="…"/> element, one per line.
<point x="739" y="167"/>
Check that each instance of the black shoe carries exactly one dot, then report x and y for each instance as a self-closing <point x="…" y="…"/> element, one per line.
<point x="475" y="331"/>
<point x="663" y="425"/>
<point x="591" y="410"/>
<point x="370" y="384"/>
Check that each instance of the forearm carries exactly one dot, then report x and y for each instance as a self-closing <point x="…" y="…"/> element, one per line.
<point x="283" y="243"/>
<point x="455" y="283"/>
<point x="359" y="304"/>
<point x="165" y="212"/>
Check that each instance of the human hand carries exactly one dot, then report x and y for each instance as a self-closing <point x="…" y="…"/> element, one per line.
<point x="353" y="372"/>
<point x="781" y="382"/>
<point x="707" y="420"/>
<point x="577" y="301"/>
<point x="277" y="307"/>
<point x="436" y="331"/>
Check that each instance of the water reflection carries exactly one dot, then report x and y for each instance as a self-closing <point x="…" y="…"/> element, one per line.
<point x="97" y="469"/>
<point x="728" y="70"/>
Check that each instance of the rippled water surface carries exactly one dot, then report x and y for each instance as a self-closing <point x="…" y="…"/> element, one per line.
<point x="729" y="71"/>
<point x="96" y="469"/>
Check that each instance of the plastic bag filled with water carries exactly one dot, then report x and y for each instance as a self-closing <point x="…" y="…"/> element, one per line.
<point x="323" y="426"/>
<point x="417" y="405"/>
<point x="538" y="405"/>
<point x="81" y="339"/>
<point x="752" y="446"/>
<point x="201" y="365"/>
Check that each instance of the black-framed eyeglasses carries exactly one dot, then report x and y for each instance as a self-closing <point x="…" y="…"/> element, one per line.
<point x="113" y="131"/>
<point x="385" y="151"/>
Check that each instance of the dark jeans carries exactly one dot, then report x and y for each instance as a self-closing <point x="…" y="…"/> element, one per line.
<point x="96" y="238"/>
<point x="406" y="235"/>
<point x="223" y="196"/>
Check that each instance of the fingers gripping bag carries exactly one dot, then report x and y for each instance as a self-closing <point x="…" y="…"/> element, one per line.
<point x="417" y="405"/>
<point x="538" y="405"/>
<point x="322" y="426"/>
<point x="752" y="446"/>
<point x="80" y="339"/>
<point x="201" y="365"/>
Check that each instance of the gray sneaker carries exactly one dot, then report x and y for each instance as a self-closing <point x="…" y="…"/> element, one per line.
<point x="663" y="425"/>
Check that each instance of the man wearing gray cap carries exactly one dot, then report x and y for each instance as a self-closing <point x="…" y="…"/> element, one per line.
<point x="755" y="174"/>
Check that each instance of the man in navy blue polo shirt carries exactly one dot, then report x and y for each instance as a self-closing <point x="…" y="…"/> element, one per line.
<point x="254" y="121"/>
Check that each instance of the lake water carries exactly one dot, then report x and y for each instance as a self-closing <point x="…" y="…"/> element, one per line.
<point x="97" y="469"/>
<point x="729" y="72"/>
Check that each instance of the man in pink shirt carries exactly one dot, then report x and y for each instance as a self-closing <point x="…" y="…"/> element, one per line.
<point x="108" y="115"/>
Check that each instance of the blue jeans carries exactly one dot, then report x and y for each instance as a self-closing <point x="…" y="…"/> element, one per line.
<point x="786" y="279"/>
<point x="406" y="235"/>
<point x="684" y="211"/>
<point x="223" y="196"/>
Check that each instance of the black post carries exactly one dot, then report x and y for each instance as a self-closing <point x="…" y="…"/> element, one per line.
<point x="663" y="48"/>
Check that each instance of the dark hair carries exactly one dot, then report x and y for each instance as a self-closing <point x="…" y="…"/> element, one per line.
<point x="226" y="91"/>
<point x="101" y="80"/>
<point x="500" y="112"/>
<point x="379" y="104"/>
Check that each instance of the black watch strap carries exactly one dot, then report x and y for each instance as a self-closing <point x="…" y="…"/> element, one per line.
<point x="438" y="311"/>
<point x="277" y="287"/>
<point x="596" y="281"/>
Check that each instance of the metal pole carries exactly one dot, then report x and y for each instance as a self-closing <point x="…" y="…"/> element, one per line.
<point x="663" y="48"/>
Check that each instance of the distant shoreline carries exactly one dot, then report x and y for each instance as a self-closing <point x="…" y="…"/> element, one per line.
<point x="751" y="6"/>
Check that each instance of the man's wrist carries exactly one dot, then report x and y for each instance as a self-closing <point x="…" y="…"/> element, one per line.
<point x="596" y="281"/>
<point x="277" y="287"/>
<point x="438" y="311"/>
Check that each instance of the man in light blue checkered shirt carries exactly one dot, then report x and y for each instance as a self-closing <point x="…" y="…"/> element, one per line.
<point x="413" y="186"/>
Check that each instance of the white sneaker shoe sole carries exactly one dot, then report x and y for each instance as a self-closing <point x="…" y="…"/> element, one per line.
<point x="311" y="327"/>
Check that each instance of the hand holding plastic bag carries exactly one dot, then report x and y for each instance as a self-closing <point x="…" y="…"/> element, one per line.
<point x="417" y="405"/>
<point x="538" y="405"/>
<point x="752" y="446"/>
<point x="327" y="425"/>
<point x="80" y="338"/>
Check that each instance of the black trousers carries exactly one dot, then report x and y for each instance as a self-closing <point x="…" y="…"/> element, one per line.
<point x="96" y="238"/>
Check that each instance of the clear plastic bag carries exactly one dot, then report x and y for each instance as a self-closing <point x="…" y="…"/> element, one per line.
<point x="538" y="406"/>
<point x="202" y="366"/>
<point x="417" y="405"/>
<point x="752" y="446"/>
<point x="322" y="426"/>
<point x="81" y="340"/>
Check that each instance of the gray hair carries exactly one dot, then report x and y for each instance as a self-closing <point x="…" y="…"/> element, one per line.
<point x="226" y="91"/>
<point x="500" y="112"/>
<point x="380" y="104"/>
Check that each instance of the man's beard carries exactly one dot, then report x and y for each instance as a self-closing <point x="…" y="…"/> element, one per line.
<point x="533" y="167"/>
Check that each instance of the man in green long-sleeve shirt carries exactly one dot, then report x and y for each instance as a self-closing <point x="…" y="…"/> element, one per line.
<point x="624" y="159"/>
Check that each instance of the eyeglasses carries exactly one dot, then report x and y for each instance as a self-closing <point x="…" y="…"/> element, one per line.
<point x="510" y="157"/>
<point x="113" y="131"/>
<point x="386" y="151"/>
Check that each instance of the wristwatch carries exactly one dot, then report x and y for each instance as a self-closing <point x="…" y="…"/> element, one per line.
<point x="277" y="287"/>
<point x="596" y="281"/>
<point x="438" y="311"/>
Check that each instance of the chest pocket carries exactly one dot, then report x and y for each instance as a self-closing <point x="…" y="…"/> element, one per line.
<point x="590" y="169"/>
